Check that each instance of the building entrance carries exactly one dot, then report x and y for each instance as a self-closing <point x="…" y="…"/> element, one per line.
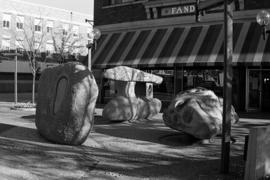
<point x="266" y="91"/>
<point x="258" y="90"/>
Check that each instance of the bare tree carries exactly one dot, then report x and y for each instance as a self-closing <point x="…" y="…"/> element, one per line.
<point x="30" y="36"/>
<point x="67" y="41"/>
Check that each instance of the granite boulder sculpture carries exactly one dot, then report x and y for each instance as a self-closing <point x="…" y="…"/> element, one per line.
<point x="67" y="97"/>
<point x="197" y="112"/>
<point x="126" y="105"/>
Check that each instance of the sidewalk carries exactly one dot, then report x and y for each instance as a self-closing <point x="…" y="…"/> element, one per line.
<point x="143" y="150"/>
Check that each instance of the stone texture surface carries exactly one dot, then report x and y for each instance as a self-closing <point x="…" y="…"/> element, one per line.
<point x="126" y="105"/>
<point x="148" y="107"/>
<point x="120" y="108"/>
<point x="197" y="112"/>
<point x="124" y="73"/>
<point x="67" y="97"/>
<point x="123" y="108"/>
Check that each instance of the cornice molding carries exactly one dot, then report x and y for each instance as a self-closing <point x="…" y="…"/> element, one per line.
<point x="213" y="18"/>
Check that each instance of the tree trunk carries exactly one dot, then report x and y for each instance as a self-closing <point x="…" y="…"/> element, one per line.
<point x="33" y="87"/>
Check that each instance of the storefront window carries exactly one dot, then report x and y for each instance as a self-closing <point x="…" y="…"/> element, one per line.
<point x="209" y="79"/>
<point x="175" y="82"/>
<point x="165" y="90"/>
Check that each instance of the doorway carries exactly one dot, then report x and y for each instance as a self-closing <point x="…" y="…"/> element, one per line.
<point x="258" y="90"/>
<point x="253" y="90"/>
<point x="266" y="91"/>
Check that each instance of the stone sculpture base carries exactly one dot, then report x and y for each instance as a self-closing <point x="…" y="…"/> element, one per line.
<point x="126" y="106"/>
<point x="123" y="108"/>
<point x="67" y="97"/>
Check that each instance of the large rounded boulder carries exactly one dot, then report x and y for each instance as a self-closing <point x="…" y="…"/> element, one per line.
<point x="67" y="97"/>
<point x="197" y="112"/>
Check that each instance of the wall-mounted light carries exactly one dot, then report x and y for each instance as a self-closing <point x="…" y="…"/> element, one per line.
<point x="263" y="19"/>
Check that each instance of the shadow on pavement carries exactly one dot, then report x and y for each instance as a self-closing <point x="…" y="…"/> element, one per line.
<point x="159" y="153"/>
<point x="153" y="131"/>
<point x="25" y="155"/>
<point x="30" y="117"/>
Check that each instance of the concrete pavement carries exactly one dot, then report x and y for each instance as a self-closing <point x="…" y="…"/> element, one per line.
<point x="143" y="150"/>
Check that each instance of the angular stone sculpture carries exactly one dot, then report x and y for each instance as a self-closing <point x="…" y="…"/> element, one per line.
<point x="126" y="105"/>
<point x="67" y="97"/>
<point x="197" y="112"/>
<point x="127" y="74"/>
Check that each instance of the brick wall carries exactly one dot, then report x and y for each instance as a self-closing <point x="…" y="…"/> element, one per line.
<point x="118" y="14"/>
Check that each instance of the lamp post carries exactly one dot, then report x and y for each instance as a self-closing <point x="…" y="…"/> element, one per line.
<point x="227" y="94"/>
<point x="93" y="35"/>
<point x="202" y="6"/>
<point x="263" y="19"/>
<point x="15" y="54"/>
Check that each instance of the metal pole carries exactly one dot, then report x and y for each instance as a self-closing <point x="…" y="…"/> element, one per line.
<point x="89" y="56"/>
<point x="227" y="89"/>
<point x="15" y="79"/>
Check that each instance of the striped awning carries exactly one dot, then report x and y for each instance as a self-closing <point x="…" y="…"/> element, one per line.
<point x="182" y="46"/>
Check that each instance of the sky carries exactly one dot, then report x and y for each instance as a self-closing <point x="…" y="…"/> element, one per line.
<point x="82" y="6"/>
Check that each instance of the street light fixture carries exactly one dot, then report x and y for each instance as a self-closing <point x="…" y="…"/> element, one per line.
<point x="93" y="35"/>
<point x="263" y="19"/>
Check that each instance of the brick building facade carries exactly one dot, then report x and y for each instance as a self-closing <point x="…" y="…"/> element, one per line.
<point x="163" y="37"/>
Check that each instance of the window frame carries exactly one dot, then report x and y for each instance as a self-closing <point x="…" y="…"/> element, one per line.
<point x="49" y="26"/>
<point x="6" y="21"/>
<point x="19" y="23"/>
<point x="37" y="26"/>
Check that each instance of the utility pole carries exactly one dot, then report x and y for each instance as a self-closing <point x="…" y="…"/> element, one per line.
<point x="201" y="7"/>
<point x="227" y="94"/>
<point x="15" y="54"/>
<point x="16" y="78"/>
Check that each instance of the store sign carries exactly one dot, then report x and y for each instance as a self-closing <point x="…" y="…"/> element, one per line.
<point x="178" y="10"/>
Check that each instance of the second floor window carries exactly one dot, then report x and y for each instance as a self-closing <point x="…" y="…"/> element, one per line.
<point x="19" y="25"/>
<point x="65" y="29"/>
<point x="19" y="22"/>
<point x="37" y="28"/>
<point x="6" y="20"/>
<point x="49" y="25"/>
<point x="37" y="25"/>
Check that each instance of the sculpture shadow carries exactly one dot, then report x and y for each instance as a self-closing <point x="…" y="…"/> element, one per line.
<point x="20" y="133"/>
<point x="145" y="130"/>
<point x="30" y="117"/>
<point x="99" y="120"/>
<point x="161" y="165"/>
<point x="25" y="155"/>
<point x="37" y="159"/>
